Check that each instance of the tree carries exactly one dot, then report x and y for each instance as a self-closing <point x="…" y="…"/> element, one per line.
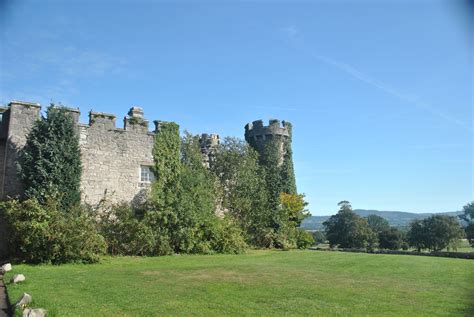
<point x="443" y="232"/>
<point x="417" y="235"/>
<point x="468" y="211"/>
<point x="468" y="217"/>
<point x="377" y="223"/>
<point x="346" y="229"/>
<point x="319" y="237"/>
<point x="167" y="168"/>
<point x="435" y="233"/>
<point x="469" y="230"/>
<point x="242" y="190"/>
<point x="50" y="162"/>
<point x="287" y="218"/>
<point x="182" y="214"/>
<point x="390" y="238"/>
<point x="294" y="208"/>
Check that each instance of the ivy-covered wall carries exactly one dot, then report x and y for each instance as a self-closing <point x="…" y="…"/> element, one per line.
<point x="273" y="143"/>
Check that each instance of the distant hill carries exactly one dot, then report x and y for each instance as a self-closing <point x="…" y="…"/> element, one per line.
<point x="398" y="219"/>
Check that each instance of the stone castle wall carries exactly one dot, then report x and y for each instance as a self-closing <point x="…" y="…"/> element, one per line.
<point x="16" y="123"/>
<point x="112" y="158"/>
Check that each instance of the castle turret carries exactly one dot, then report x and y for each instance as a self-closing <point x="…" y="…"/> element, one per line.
<point x="209" y="144"/>
<point x="273" y="143"/>
<point x="259" y="136"/>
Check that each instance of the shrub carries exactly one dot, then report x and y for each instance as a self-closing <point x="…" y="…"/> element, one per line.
<point x="319" y="237"/>
<point x="304" y="239"/>
<point x="390" y="238"/>
<point x="124" y="233"/>
<point x="227" y="237"/>
<point x="347" y="230"/>
<point x="435" y="233"/>
<point x="50" y="161"/>
<point x="43" y="234"/>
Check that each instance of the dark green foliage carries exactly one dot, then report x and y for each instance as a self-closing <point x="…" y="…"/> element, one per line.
<point x="390" y="238"/>
<point x="276" y="158"/>
<point x="377" y="223"/>
<point x="242" y="190"/>
<point x="166" y="155"/>
<point x="182" y="214"/>
<point x="251" y="193"/>
<point x="304" y="239"/>
<point x="124" y="233"/>
<point x="270" y="162"/>
<point x="417" y="235"/>
<point x="346" y="229"/>
<point x="319" y="237"/>
<point x="50" y="162"/>
<point x="43" y="234"/>
<point x="227" y="237"/>
<point x="468" y="211"/>
<point x="435" y="233"/>
<point x="469" y="230"/>
<point x="468" y="217"/>
<point x="288" y="181"/>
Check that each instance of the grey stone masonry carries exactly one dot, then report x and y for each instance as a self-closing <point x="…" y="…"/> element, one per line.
<point x="209" y="144"/>
<point x="17" y="122"/>
<point x="258" y="135"/>
<point x="112" y="158"/>
<point x="116" y="162"/>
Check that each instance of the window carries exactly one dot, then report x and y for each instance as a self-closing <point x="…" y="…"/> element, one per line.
<point x="146" y="174"/>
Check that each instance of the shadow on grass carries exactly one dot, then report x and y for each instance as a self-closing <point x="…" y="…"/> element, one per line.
<point x="6" y="307"/>
<point x="469" y="309"/>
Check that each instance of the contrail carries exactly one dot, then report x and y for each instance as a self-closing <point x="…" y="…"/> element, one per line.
<point x="293" y="34"/>
<point x="348" y="69"/>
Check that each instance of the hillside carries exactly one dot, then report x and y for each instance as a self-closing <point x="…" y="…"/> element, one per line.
<point x="395" y="218"/>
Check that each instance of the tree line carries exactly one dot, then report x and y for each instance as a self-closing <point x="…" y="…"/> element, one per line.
<point x="178" y="215"/>
<point x="346" y="229"/>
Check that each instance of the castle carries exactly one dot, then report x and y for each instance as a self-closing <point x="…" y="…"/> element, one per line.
<point x="116" y="162"/>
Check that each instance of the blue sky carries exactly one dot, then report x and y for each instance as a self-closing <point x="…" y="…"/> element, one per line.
<point x="380" y="94"/>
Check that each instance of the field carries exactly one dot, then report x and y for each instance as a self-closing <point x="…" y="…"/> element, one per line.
<point x="463" y="246"/>
<point x="258" y="283"/>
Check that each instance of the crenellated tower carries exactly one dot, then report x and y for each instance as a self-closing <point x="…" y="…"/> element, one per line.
<point x="209" y="144"/>
<point x="273" y="143"/>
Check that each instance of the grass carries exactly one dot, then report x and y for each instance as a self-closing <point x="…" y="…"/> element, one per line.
<point x="463" y="246"/>
<point x="270" y="283"/>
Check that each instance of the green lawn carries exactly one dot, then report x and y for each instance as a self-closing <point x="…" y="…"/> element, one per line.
<point x="269" y="283"/>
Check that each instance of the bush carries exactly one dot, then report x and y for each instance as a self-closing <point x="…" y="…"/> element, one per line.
<point x="228" y="237"/>
<point x="50" y="162"/>
<point x="43" y="234"/>
<point x="319" y="237"/>
<point x="304" y="239"/>
<point x="124" y="233"/>
<point x="390" y="238"/>
<point x="435" y="233"/>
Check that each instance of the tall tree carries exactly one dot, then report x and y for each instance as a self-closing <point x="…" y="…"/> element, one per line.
<point x="166" y="156"/>
<point x="390" y="238"/>
<point x="243" y="193"/>
<point x="346" y="229"/>
<point x="377" y="223"/>
<point x="50" y="162"/>
<point x="435" y="233"/>
<point x="468" y="216"/>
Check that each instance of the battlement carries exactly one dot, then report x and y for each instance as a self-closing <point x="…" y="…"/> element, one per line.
<point x="259" y="132"/>
<point x="25" y="104"/>
<point x="209" y="144"/>
<point x="209" y="139"/>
